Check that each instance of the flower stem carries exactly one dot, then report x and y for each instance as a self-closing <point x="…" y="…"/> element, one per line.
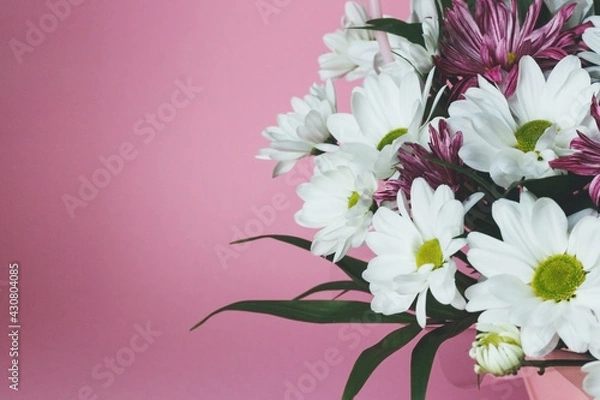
<point x="382" y="38"/>
<point x="543" y="364"/>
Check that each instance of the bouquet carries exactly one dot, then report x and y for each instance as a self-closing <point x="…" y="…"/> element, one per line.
<point x="470" y="166"/>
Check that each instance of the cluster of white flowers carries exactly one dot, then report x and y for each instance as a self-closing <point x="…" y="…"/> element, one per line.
<point x="539" y="278"/>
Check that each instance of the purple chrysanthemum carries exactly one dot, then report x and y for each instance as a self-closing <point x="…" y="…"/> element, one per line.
<point x="415" y="162"/>
<point x="491" y="42"/>
<point x="586" y="159"/>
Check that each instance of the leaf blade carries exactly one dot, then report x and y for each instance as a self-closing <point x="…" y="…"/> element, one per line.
<point x="333" y="286"/>
<point x="413" y="32"/>
<point x="424" y="353"/>
<point x="314" y="311"/>
<point x="351" y="266"/>
<point x="370" y="358"/>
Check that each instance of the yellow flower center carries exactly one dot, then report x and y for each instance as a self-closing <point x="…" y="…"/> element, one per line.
<point x="558" y="277"/>
<point x="511" y="57"/>
<point x="353" y="199"/>
<point x="527" y="135"/>
<point x="430" y="252"/>
<point x="390" y="137"/>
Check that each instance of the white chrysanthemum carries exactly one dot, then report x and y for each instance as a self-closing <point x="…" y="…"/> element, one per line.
<point x="338" y="201"/>
<point x="386" y="112"/>
<point x="357" y="156"/>
<point x="424" y="12"/>
<point x="582" y="10"/>
<point x="497" y="349"/>
<point x="301" y="132"/>
<point x="591" y="383"/>
<point x="591" y="37"/>
<point x="352" y="50"/>
<point x="414" y="251"/>
<point x="542" y="276"/>
<point x="516" y="138"/>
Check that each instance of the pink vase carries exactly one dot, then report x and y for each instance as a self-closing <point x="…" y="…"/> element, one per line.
<point x="557" y="383"/>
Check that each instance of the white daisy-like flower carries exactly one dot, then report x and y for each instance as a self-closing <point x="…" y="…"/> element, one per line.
<point x="339" y="201"/>
<point x="542" y="276"/>
<point x="591" y="37"/>
<point x="497" y="349"/>
<point x="591" y="383"/>
<point x="516" y="138"/>
<point x="352" y="50"/>
<point x="582" y="10"/>
<point x="424" y="12"/>
<point x="386" y="112"/>
<point x="414" y="251"/>
<point x="357" y="156"/>
<point x="302" y="132"/>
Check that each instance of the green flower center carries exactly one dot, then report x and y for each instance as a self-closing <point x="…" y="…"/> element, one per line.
<point x="430" y="253"/>
<point x="558" y="277"/>
<point x="494" y="339"/>
<point x="390" y="137"/>
<point x="527" y="135"/>
<point x="353" y="199"/>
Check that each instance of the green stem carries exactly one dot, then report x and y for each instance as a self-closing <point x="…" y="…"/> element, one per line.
<point x="543" y="364"/>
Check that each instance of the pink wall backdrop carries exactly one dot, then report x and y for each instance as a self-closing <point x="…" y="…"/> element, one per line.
<point x="112" y="276"/>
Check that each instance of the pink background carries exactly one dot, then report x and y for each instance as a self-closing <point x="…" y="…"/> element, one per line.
<point x="144" y="249"/>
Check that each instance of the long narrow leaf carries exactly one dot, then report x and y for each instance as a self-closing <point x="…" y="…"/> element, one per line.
<point x="522" y="8"/>
<point x="411" y="31"/>
<point x="352" y="267"/>
<point x="424" y="353"/>
<point x="343" y="286"/>
<point x="315" y="311"/>
<point x="370" y="358"/>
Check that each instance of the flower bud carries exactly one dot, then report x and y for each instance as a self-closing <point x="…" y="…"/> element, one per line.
<point x="497" y="349"/>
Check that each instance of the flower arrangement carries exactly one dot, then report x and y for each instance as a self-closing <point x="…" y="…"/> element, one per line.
<point x="470" y="166"/>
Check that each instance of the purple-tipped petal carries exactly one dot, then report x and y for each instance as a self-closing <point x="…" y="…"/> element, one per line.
<point x="594" y="190"/>
<point x="415" y="163"/>
<point x="491" y="42"/>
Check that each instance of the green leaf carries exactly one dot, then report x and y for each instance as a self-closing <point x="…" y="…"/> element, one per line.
<point x="370" y="358"/>
<point x="438" y="311"/>
<point x="464" y="281"/>
<point x="329" y="286"/>
<point x="544" y="17"/>
<point x="352" y="267"/>
<point x="442" y="5"/>
<point x="489" y="187"/>
<point x="315" y="311"/>
<point x="566" y="190"/>
<point x="548" y="187"/>
<point x="522" y="8"/>
<point x="411" y="31"/>
<point x="596" y="7"/>
<point x="424" y="353"/>
<point x="472" y="4"/>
